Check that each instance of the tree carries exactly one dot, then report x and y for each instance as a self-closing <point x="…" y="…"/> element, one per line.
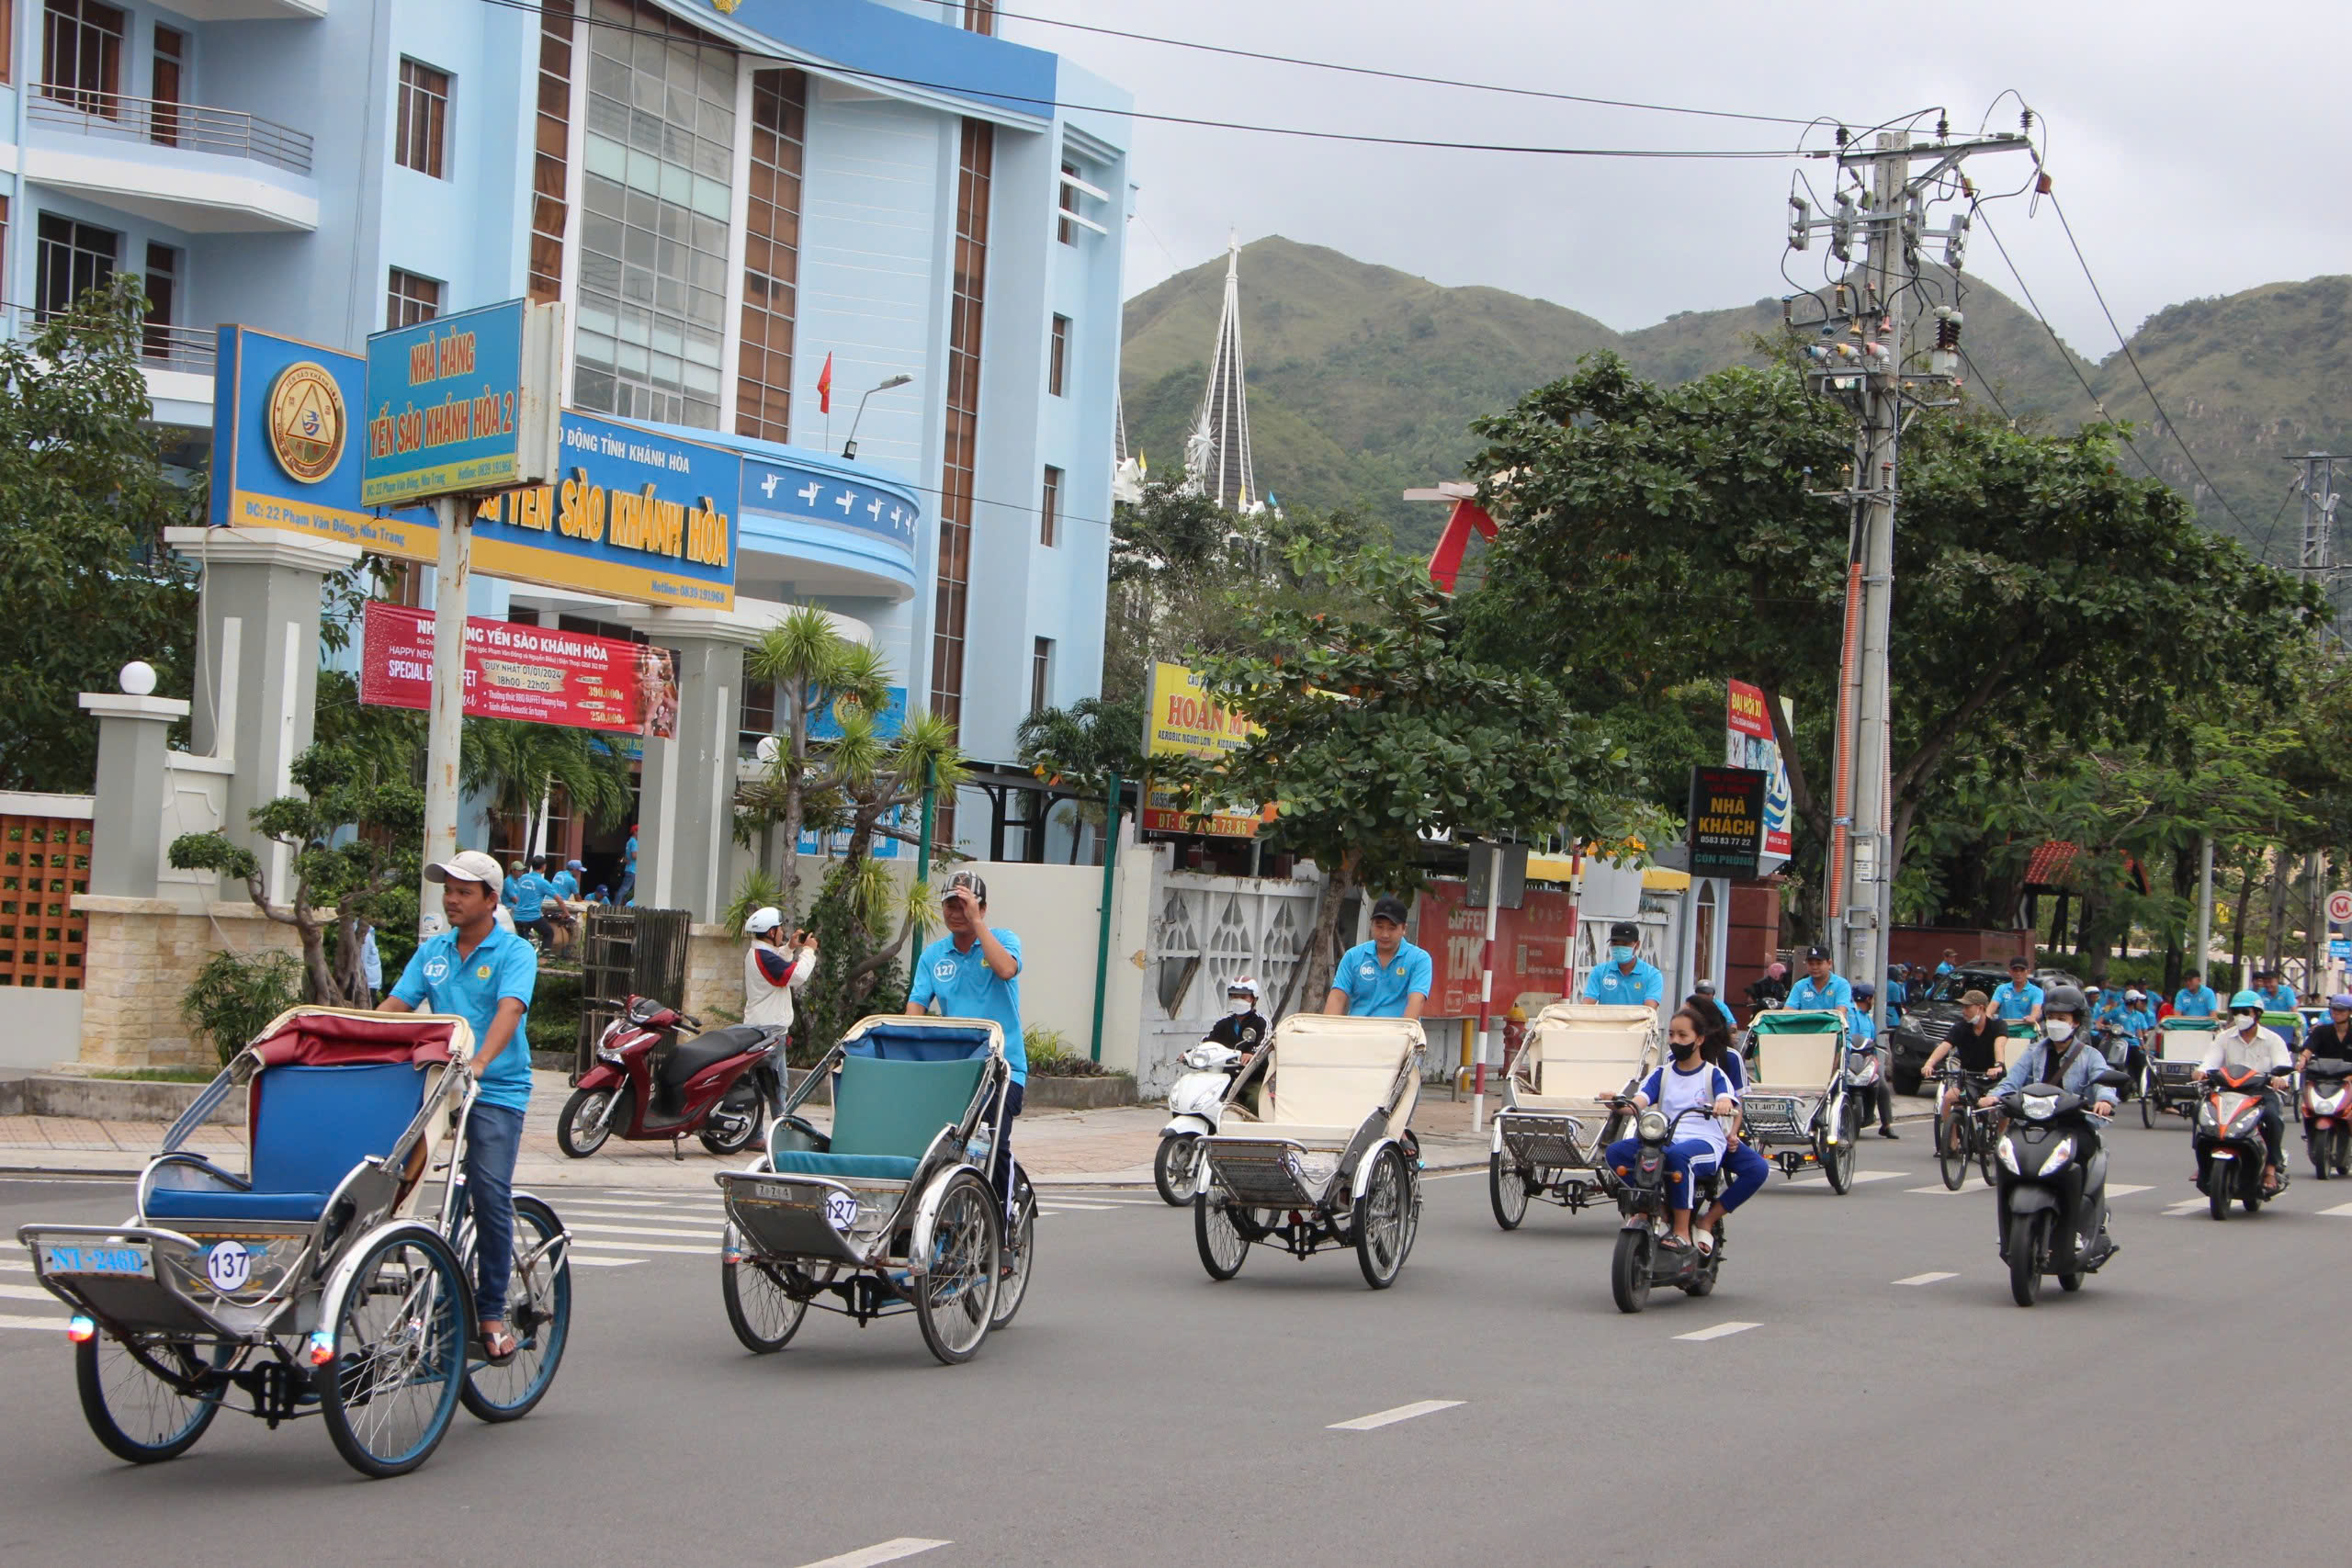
<point x="350" y="837"/>
<point x="1093" y="739"/>
<point x="85" y="498"/>
<point x="1380" y="730"/>
<point x="812" y="667"/>
<point x="1657" y="536"/>
<point x="518" y="764"/>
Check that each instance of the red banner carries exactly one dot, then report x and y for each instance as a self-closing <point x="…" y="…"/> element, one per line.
<point x="534" y="673"/>
<point x="1530" y="947"/>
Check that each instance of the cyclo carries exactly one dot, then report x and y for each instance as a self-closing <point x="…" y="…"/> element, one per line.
<point x="892" y="1211"/>
<point x="1799" y="1112"/>
<point x="1560" y="1107"/>
<point x="322" y="1281"/>
<point x="2167" y="1076"/>
<point x="1317" y="1148"/>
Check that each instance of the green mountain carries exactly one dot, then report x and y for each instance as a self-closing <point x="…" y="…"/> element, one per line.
<point x="1364" y="379"/>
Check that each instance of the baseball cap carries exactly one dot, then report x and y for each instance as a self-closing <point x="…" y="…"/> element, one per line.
<point x="1705" y="988"/>
<point x="970" y="879"/>
<point x="1388" y="909"/>
<point x="1624" y="931"/>
<point x="1816" y="955"/>
<point x="469" y="865"/>
<point x="2021" y="964"/>
<point x="1975" y="1000"/>
<point x="573" y="866"/>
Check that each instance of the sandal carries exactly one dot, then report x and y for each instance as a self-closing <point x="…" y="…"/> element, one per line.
<point x="498" y="1345"/>
<point x="1675" y="1242"/>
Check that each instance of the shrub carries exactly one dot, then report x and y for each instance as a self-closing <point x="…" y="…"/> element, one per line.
<point x="234" y="997"/>
<point x="1050" y="1056"/>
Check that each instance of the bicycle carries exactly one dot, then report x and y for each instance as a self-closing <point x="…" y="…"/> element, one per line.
<point x="1964" y="1132"/>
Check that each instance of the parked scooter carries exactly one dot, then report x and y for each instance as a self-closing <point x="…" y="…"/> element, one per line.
<point x="648" y="1085"/>
<point x="2327" y="1130"/>
<point x="1197" y="1107"/>
<point x="1642" y="1259"/>
<point x="2230" y="1150"/>
<point x="2052" y="1198"/>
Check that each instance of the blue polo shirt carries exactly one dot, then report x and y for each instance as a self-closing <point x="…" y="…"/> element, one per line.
<point x="1834" y="992"/>
<point x="1613" y="987"/>
<point x="2010" y="1004"/>
<point x="531" y="892"/>
<point x="1379" y="990"/>
<point x="563" y="884"/>
<point x="2279" y="999"/>
<point x="2202" y="1002"/>
<point x="964" y="986"/>
<point x="438" y="979"/>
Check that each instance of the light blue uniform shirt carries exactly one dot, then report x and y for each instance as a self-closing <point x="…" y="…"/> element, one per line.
<point x="438" y="979"/>
<point x="2202" y="1002"/>
<point x="531" y="892"/>
<point x="964" y="986"/>
<point x="1375" y="990"/>
<point x="2010" y="1004"/>
<point x="1614" y="987"/>
<point x="563" y="884"/>
<point x="1807" y="997"/>
<point x="2279" y="999"/>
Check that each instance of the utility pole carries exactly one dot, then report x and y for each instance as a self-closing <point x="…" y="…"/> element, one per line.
<point x="1859" y="359"/>
<point x="2318" y="560"/>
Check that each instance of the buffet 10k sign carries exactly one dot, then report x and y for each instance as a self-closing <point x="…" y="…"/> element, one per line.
<point x="623" y="513"/>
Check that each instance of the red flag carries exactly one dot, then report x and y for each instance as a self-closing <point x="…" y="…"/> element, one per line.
<point x="825" y="387"/>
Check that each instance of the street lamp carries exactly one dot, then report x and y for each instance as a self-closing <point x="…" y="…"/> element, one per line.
<point x="849" y="449"/>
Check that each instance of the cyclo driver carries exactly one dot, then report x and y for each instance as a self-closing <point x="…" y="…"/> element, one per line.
<point x="2062" y="1057"/>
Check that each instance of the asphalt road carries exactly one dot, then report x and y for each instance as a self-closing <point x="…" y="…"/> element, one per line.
<point x="1888" y="1404"/>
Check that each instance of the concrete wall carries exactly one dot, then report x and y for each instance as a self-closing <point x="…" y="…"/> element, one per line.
<point x="1057" y="910"/>
<point x="143" y="953"/>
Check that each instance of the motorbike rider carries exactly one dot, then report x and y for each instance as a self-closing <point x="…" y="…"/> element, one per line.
<point x="2247" y="1044"/>
<point x="1685" y="1083"/>
<point x="2018" y="999"/>
<point x="2058" y="1056"/>
<point x="1744" y="1168"/>
<point x="1242" y="1028"/>
<point x="1770" y="989"/>
<point x="1865" y="1033"/>
<point x="2331" y="1039"/>
<point x="1975" y="1040"/>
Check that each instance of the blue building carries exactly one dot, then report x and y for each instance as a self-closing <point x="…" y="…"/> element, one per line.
<point x="728" y="196"/>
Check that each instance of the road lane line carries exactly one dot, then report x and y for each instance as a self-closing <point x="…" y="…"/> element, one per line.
<point x="2125" y="1189"/>
<point x="884" y="1551"/>
<point x="2341" y="1212"/>
<point x="607" y="1218"/>
<point x="586" y="1262"/>
<point x="1088" y="1208"/>
<point x="1719" y="1331"/>
<point x="1862" y="1176"/>
<point x="14" y="1266"/>
<point x="2190" y="1205"/>
<point x="24" y="1294"/>
<point x="580" y="1242"/>
<point x="1928" y="1279"/>
<point x="1390" y="1417"/>
<point x="714" y="1232"/>
<point x="51" y="1324"/>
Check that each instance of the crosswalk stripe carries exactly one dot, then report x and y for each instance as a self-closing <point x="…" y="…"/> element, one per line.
<point x="712" y="1233"/>
<point x="24" y="1294"/>
<point x="2124" y="1188"/>
<point x="2192" y="1203"/>
<point x="1862" y="1176"/>
<point x="51" y="1324"/>
<point x="878" y="1553"/>
<point x="686" y="1217"/>
<point x="1082" y="1208"/>
<point x="1719" y="1331"/>
<point x="588" y="1262"/>
<point x="2341" y="1212"/>
<point x="1940" y="1190"/>
<point x="579" y="1242"/>
<point x="14" y="1266"/>
<point x="1379" y="1418"/>
<point x="1928" y="1279"/>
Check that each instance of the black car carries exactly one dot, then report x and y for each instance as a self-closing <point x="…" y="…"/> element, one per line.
<point x="1932" y="1013"/>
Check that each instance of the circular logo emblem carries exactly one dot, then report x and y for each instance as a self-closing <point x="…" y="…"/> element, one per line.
<point x="840" y="1211"/>
<point x="228" y="1265"/>
<point x="944" y="970"/>
<point x="436" y="969"/>
<point x="306" y="422"/>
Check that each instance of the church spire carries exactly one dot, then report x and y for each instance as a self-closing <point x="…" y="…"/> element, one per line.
<point x="1216" y="454"/>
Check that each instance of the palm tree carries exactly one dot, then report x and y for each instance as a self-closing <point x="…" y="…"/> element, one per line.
<point x="812" y="667"/>
<point x="517" y="764"/>
<point x="1094" y="739"/>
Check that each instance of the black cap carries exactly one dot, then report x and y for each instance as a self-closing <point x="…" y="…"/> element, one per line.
<point x="1818" y="955"/>
<point x="1388" y="909"/>
<point x="1624" y="931"/>
<point x="2021" y="964"/>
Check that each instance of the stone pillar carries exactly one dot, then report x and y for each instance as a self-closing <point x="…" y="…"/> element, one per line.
<point x="687" y="807"/>
<point x="259" y="663"/>
<point x="126" y="824"/>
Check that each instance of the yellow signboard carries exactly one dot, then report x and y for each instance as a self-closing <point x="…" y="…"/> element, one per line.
<point x="1183" y="721"/>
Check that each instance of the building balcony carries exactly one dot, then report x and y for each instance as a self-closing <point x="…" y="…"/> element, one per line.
<point x="177" y="361"/>
<point x="200" y="169"/>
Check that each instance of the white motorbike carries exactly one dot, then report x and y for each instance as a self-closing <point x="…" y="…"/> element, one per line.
<point x="1196" y="1105"/>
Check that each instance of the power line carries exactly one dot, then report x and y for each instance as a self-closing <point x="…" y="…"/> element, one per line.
<point x="2133" y="360"/>
<point x="1302" y="132"/>
<point x="1403" y="76"/>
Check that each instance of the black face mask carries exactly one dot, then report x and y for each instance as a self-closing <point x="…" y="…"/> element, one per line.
<point x="1683" y="1049"/>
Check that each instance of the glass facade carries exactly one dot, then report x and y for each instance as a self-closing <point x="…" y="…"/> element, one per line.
<point x="975" y="163"/>
<point x="657" y="153"/>
<point x="770" y="254"/>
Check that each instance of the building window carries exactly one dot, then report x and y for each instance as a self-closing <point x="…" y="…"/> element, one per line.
<point x="1064" y="230"/>
<point x="3" y="234"/>
<point x="409" y="299"/>
<point x="657" y="157"/>
<point x="420" y="143"/>
<point x="771" y="256"/>
<point x="74" y="258"/>
<point x="81" y="54"/>
<point x="549" y="171"/>
<point x="1049" y="508"/>
<point x="1057" y="356"/>
<point x="975" y="160"/>
<point x="164" y="72"/>
<point x="1041" y="675"/>
<point x="163" y="289"/>
<point x="979" y="16"/>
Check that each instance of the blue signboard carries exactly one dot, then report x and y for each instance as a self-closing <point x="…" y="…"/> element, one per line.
<point x="832" y="842"/>
<point x="824" y="725"/>
<point x="284" y="453"/>
<point x="447" y="407"/>
<point x="799" y="493"/>
<point x="2339" y="947"/>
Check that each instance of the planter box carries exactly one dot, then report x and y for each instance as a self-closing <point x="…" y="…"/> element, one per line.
<point x="1043" y="1093"/>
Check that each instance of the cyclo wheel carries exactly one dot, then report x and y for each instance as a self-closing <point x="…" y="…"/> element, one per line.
<point x="1507" y="1189"/>
<point x="399" y="1343"/>
<point x="132" y="1407"/>
<point x="1175" y="1167"/>
<point x="1383" y="1224"/>
<point x="2147" y="1100"/>
<point x="956" y="1296"/>
<point x="539" y="1310"/>
<point x="1952" y="1147"/>
<point x="1223" y="1247"/>
<point x="1838" y="1159"/>
<point x="1020" y="1252"/>
<point x="763" y="1313"/>
<point x="2026" y="1232"/>
<point x="1629" y="1270"/>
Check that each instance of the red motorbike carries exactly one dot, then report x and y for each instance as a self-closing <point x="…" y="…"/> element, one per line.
<point x="648" y="1085"/>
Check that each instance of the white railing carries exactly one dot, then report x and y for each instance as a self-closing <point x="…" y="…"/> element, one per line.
<point x="197" y="127"/>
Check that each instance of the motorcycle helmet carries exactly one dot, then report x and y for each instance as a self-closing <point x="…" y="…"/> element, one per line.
<point x="762" y="921"/>
<point x="1865" y="991"/>
<point x="2246" y="1001"/>
<point x="2339" y="1003"/>
<point x="2065" y="998"/>
<point x="1243" y="984"/>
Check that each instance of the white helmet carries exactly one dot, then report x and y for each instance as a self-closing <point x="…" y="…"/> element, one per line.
<point x="1243" y="983"/>
<point x="764" y="921"/>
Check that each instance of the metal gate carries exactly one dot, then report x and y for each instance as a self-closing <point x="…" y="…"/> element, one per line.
<point x="626" y="952"/>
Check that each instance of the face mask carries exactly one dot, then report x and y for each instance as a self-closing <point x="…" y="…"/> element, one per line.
<point x="1620" y="956"/>
<point x="1684" y="1049"/>
<point x="2059" y="1029"/>
<point x="2243" y="1019"/>
<point x="1239" y="1004"/>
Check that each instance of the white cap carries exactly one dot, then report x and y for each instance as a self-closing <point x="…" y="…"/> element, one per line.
<point x="764" y="921"/>
<point x="469" y="865"/>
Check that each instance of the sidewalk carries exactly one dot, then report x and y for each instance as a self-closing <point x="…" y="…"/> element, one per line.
<point x="1059" y="1148"/>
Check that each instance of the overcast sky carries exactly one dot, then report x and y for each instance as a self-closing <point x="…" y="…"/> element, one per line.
<point x="2197" y="147"/>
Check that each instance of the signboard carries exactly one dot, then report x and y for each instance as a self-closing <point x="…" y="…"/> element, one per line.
<point x="2339" y="947"/>
<point x="534" y="673"/>
<point x="1750" y="743"/>
<point x="1181" y="720"/>
<point x="284" y="455"/>
<point x="1532" y="944"/>
<point x="1726" y="821"/>
<point x="834" y="842"/>
<point x="2339" y="907"/>
<point x="825" y="723"/>
<point x="461" y="404"/>
<point x="803" y="494"/>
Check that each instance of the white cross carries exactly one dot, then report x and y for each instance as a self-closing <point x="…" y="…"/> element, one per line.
<point x="846" y="499"/>
<point x="809" y="491"/>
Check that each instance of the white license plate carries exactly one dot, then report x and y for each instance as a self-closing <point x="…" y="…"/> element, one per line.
<point x="137" y="1262"/>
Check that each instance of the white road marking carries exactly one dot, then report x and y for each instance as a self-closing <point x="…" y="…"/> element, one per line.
<point x="2190" y="1205"/>
<point x="580" y="1242"/>
<point x="24" y="1294"/>
<point x="15" y="1266"/>
<point x="2341" y="1212"/>
<point x="884" y="1551"/>
<point x="1390" y="1417"/>
<point x="1862" y="1176"/>
<point x="607" y="1262"/>
<point x="593" y="1215"/>
<point x="2124" y="1188"/>
<point x="1928" y="1279"/>
<point x="1940" y="1190"/>
<point x="1721" y="1331"/>
<point x="1088" y="1208"/>
<point x="51" y="1324"/>
<point x="714" y="1232"/>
